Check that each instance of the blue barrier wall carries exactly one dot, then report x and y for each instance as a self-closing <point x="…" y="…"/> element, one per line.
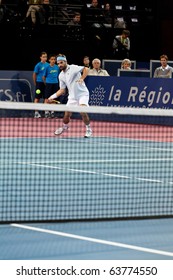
<point x="104" y="91"/>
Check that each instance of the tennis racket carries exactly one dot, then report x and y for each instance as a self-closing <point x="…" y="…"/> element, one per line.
<point x="53" y="101"/>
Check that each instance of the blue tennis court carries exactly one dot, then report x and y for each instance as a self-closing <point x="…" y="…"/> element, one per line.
<point x="149" y="239"/>
<point x="83" y="184"/>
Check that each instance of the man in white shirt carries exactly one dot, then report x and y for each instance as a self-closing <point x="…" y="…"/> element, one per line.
<point x="97" y="70"/>
<point x="71" y="78"/>
<point x="164" y="71"/>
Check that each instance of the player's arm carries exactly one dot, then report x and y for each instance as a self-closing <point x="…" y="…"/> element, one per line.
<point x="56" y="94"/>
<point x="84" y="74"/>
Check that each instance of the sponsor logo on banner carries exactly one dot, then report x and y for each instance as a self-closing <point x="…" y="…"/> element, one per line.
<point x="97" y="96"/>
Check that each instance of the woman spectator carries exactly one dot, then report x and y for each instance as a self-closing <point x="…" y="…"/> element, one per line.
<point x="126" y="64"/>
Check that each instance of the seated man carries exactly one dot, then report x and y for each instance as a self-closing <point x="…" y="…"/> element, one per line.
<point x="94" y="12"/>
<point x="75" y="21"/>
<point x="164" y="71"/>
<point x="97" y="70"/>
<point x="95" y="4"/>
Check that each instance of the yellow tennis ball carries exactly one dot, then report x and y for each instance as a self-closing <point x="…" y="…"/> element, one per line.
<point x="38" y="91"/>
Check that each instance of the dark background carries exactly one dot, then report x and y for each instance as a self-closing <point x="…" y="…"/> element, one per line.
<point x="151" y="37"/>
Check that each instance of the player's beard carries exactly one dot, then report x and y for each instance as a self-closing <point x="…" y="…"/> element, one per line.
<point x="63" y="67"/>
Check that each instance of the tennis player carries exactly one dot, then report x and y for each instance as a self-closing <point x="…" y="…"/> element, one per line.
<point x="72" y="78"/>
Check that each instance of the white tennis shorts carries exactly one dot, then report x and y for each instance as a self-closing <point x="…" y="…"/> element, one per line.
<point x="81" y="100"/>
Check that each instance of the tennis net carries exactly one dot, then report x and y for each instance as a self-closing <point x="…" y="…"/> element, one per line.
<point x="123" y="171"/>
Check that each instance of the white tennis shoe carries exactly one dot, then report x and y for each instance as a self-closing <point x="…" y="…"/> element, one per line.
<point x="60" y="130"/>
<point x="88" y="133"/>
<point x="37" y="115"/>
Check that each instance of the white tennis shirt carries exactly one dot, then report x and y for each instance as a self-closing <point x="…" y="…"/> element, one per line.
<point x="69" y="78"/>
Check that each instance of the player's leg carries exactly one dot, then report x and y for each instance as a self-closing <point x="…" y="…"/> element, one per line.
<point x="47" y="93"/>
<point x="54" y="88"/>
<point x="83" y="101"/>
<point x="85" y="118"/>
<point x="86" y="121"/>
<point x="66" y="120"/>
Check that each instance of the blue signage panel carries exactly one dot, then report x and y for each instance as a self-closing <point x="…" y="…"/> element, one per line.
<point x="131" y="92"/>
<point x="16" y="86"/>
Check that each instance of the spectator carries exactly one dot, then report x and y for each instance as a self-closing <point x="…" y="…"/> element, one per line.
<point x="35" y="7"/>
<point x="47" y="9"/>
<point x="121" y="44"/>
<point x="38" y="80"/>
<point x="50" y="77"/>
<point x="164" y="71"/>
<point x="126" y="64"/>
<point x="86" y="61"/>
<point x="75" y="20"/>
<point x="95" y="4"/>
<point x="107" y="14"/>
<point x="95" y="12"/>
<point x="97" y="70"/>
<point x="38" y="8"/>
<point x="74" y="30"/>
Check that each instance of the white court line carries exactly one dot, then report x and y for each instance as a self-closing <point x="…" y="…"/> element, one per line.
<point x="101" y="160"/>
<point x="116" y="175"/>
<point x="95" y="240"/>
<point x="149" y="180"/>
<point x="94" y="172"/>
<point x="139" y="143"/>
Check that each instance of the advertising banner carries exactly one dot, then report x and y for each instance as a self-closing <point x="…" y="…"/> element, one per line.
<point x="131" y="92"/>
<point x="104" y="91"/>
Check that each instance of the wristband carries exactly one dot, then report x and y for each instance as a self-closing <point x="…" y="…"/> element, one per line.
<point x="53" y="96"/>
